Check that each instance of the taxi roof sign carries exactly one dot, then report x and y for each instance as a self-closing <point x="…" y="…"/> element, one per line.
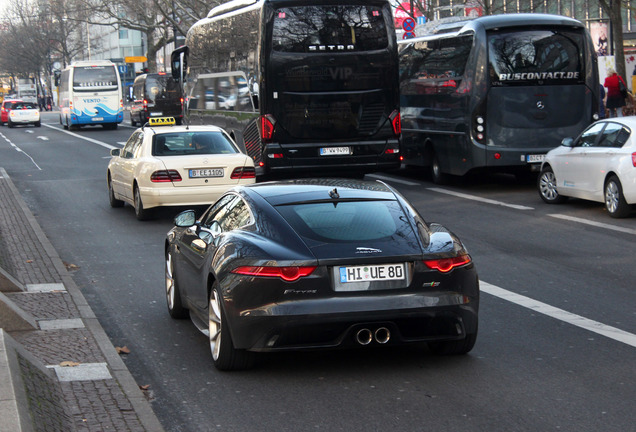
<point x="161" y="121"/>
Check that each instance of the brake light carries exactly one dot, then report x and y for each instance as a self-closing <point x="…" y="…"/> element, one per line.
<point x="163" y="176"/>
<point x="445" y="265"/>
<point x="267" y="127"/>
<point x="145" y="102"/>
<point x="243" y="173"/>
<point x="634" y="159"/>
<point x="396" y="122"/>
<point x="288" y="274"/>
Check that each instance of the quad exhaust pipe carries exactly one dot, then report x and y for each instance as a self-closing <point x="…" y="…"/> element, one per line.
<point x="365" y="336"/>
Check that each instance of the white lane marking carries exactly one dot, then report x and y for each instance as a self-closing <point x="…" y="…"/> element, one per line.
<point x="101" y="143"/>
<point x="18" y="149"/>
<point x="480" y="199"/>
<point x="596" y="224"/>
<point x="43" y="138"/>
<point x="560" y="314"/>
<point x="391" y="179"/>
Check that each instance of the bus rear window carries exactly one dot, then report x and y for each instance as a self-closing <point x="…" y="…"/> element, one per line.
<point x="330" y="28"/>
<point x="535" y="57"/>
<point x="94" y="78"/>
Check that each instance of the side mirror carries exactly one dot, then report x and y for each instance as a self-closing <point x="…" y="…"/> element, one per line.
<point x="185" y="219"/>
<point x="179" y="63"/>
<point x="115" y="152"/>
<point x="568" y="142"/>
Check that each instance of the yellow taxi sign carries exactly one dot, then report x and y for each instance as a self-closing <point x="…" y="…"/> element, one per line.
<point x="161" y="121"/>
<point x="135" y="59"/>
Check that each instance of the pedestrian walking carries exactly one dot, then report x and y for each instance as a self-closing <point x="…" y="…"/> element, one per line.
<point x="616" y="93"/>
<point x="601" y="102"/>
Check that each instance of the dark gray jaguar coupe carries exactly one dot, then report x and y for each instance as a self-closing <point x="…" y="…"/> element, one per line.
<point x="319" y="263"/>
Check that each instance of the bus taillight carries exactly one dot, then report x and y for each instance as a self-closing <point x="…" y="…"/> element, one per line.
<point x="396" y="122"/>
<point x="479" y="128"/>
<point x="267" y="127"/>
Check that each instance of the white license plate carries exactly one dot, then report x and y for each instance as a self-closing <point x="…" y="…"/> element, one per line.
<point x="153" y="114"/>
<point x="97" y="119"/>
<point x="535" y="158"/>
<point x="381" y="272"/>
<point x="207" y="172"/>
<point x="330" y="151"/>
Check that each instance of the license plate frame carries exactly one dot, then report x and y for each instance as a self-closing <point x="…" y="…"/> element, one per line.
<point x="335" y="151"/>
<point x="372" y="273"/>
<point x="198" y="173"/>
<point x="535" y="158"/>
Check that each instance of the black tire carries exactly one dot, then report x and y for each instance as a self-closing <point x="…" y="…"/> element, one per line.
<point x="140" y="212"/>
<point x="132" y="121"/>
<point x="615" y="202"/>
<point x="547" y="187"/>
<point x="37" y="124"/>
<point x="224" y="355"/>
<point x="173" y="293"/>
<point x="114" y="202"/>
<point x="10" y="124"/>
<point x="437" y="175"/>
<point x="455" y="347"/>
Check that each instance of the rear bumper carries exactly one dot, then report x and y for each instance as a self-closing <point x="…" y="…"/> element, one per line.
<point x="183" y="196"/>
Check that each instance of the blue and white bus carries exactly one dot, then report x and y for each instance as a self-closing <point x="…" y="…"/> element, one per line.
<point x="90" y="94"/>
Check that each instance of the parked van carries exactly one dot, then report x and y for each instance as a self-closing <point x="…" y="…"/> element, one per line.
<point x="155" y="95"/>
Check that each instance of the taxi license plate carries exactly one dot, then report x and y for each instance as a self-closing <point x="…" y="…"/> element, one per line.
<point x="381" y="272"/>
<point x="206" y="172"/>
<point x="535" y="158"/>
<point x="330" y="151"/>
<point x="156" y="114"/>
<point x="97" y="119"/>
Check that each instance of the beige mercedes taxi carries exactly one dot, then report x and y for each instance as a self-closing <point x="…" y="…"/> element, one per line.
<point x="166" y="165"/>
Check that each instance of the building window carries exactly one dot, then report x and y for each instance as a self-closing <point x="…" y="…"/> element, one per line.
<point x="123" y="34"/>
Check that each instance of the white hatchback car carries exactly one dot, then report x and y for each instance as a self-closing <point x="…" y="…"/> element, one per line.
<point x="175" y="166"/>
<point x="599" y="165"/>
<point x="24" y="113"/>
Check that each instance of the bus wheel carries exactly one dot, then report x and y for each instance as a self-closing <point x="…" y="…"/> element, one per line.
<point x="437" y="175"/>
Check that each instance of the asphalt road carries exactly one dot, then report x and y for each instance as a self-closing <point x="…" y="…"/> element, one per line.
<point x="557" y="342"/>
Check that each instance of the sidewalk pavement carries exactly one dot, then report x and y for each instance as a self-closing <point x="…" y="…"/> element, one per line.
<point x="58" y="369"/>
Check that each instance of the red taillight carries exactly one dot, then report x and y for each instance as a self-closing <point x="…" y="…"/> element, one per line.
<point x="288" y="274"/>
<point x="396" y="122"/>
<point x="267" y="127"/>
<point x="163" y="176"/>
<point x="445" y="265"/>
<point x="243" y="173"/>
<point x="634" y="159"/>
<point x="145" y="102"/>
<point x="392" y="151"/>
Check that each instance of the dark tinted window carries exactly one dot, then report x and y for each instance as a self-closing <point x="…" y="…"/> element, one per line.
<point x="89" y="78"/>
<point x="329" y="28"/>
<point x="536" y="56"/>
<point x="189" y="143"/>
<point x="230" y="212"/>
<point x="346" y="221"/>
<point x="588" y="137"/>
<point x="23" y="105"/>
<point x="434" y="66"/>
<point x="160" y="87"/>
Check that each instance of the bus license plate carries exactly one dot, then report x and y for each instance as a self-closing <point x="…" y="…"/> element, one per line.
<point x="535" y="158"/>
<point x="330" y="151"/>
<point x="366" y="273"/>
<point x="97" y="119"/>
<point x="206" y="172"/>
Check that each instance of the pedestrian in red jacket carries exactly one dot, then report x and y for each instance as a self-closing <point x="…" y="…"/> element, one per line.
<point x="615" y="97"/>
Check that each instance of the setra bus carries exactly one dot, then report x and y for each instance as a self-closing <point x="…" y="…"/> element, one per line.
<point x="90" y="94"/>
<point x="496" y="93"/>
<point x="302" y="85"/>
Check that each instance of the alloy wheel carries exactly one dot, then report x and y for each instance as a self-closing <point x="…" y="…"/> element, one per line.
<point x="214" y="324"/>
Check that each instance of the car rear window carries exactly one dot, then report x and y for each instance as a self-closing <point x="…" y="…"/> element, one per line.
<point x="346" y="221"/>
<point x="192" y="143"/>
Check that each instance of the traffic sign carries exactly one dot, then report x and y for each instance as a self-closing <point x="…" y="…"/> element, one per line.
<point x="136" y="59"/>
<point x="408" y="24"/>
<point x="408" y="35"/>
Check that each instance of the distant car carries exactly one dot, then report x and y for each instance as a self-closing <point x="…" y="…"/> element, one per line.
<point x="24" y="113"/>
<point x="323" y="263"/>
<point x="599" y="165"/>
<point x="5" y="108"/>
<point x="174" y="166"/>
